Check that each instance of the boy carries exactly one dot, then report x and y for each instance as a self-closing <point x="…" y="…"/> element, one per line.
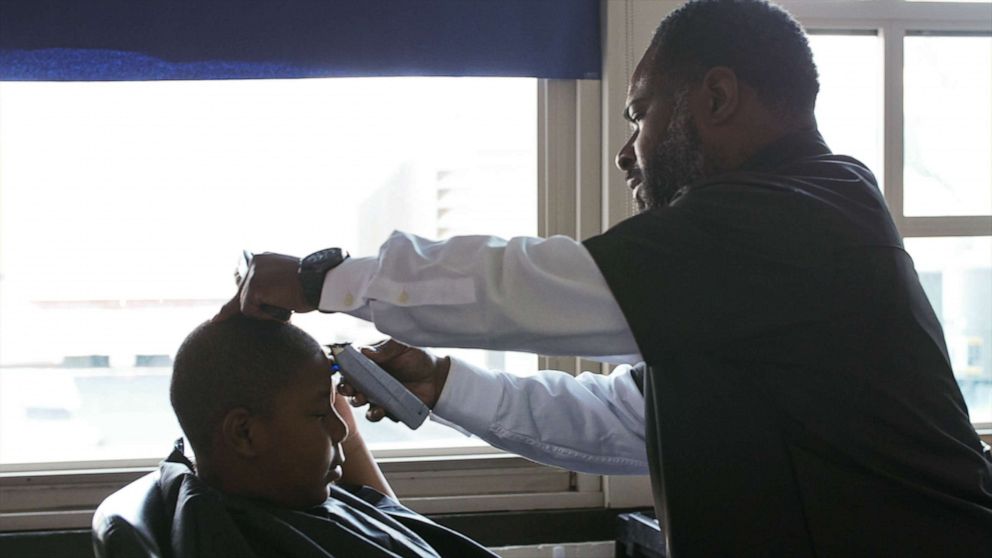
<point x="255" y="400"/>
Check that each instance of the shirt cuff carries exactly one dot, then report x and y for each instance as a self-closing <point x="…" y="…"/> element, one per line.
<point x="470" y="398"/>
<point x="346" y="284"/>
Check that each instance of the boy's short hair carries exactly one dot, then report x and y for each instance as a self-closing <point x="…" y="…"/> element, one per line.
<point x="239" y="362"/>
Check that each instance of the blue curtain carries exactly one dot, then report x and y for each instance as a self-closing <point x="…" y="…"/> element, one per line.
<point x="85" y="40"/>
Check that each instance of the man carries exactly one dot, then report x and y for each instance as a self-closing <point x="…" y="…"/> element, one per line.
<point x="797" y="395"/>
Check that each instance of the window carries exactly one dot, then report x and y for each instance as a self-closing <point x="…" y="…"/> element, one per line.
<point x="956" y="274"/>
<point x="921" y="78"/>
<point x="126" y="205"/>
<point x="947" y="172"/>
<point x="849" y="106"/>
<point x="948" y="123"/>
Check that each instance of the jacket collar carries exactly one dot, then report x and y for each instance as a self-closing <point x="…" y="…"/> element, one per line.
<point x="791" y="147"/>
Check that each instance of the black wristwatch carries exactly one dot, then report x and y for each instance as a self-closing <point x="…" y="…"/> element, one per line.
<point x="314" y="267"/>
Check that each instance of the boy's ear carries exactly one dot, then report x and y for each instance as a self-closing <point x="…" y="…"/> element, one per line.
<point x="243" y="432"/>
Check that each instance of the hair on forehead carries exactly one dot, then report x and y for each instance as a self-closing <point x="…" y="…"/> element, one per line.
<point x="761" y="42"/>
<point x="240" y="362"/>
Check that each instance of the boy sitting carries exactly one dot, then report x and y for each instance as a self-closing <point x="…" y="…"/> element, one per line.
<point x="255" y="400"/>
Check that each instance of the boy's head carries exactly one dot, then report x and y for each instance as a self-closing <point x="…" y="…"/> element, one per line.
<point x="255" y="401"/>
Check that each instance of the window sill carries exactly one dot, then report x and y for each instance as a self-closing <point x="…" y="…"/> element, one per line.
<point x="66" y="499"/>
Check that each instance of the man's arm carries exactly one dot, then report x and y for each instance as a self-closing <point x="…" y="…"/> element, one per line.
<point x="527" y="294"/>
<point x="590" y="423"/>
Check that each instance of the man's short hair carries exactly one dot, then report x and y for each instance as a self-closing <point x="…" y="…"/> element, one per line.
<point x="759" y="41"/>
<point x="239" y="362"/>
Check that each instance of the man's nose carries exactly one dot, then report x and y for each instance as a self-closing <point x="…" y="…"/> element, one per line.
<point x="625" y="157"/>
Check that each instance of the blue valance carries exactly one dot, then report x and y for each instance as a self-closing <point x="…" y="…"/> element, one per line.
<point x="86" y="40"/>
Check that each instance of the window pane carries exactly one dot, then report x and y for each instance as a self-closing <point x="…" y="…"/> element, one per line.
<point x="849" y="106"/>
<point x="125" y="206"/>
<point x="948" y="115"/>
<point x="956" y="274"/>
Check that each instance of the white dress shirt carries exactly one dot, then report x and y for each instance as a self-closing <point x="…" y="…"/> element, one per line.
<point x="544" y="296"/>
<point x="590" y="423"/>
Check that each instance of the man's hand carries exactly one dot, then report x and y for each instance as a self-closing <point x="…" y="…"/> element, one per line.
<point x="271" y="282"/>
<point x="419" y="371"/>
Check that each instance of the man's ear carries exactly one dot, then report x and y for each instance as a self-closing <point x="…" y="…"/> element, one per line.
<point x="243" y="432"/>
<point x="721" y="91"/>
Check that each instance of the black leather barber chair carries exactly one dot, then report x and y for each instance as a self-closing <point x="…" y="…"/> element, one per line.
<point x="639" y="536"/>
<point x="131" y="522"/>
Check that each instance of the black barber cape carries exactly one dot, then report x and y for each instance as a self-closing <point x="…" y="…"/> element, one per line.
<point x="799" y="396"/>
<point x="352" y="523"/>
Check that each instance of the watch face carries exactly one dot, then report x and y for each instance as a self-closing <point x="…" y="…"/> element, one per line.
<point x="317" y="259"/>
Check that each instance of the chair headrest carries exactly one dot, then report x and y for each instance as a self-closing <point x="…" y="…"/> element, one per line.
<point x="132" y="522"/>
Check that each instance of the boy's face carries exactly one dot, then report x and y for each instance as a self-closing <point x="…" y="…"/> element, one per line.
<point x="305" y="434"/>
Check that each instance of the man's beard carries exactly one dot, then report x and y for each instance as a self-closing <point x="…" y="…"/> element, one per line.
<point x="677" y="161"/>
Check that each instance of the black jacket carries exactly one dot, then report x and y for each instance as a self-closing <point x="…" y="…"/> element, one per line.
<point x="799" y="396"/>
<point x="353" y="523"/>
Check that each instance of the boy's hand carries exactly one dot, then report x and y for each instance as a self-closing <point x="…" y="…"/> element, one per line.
<point x="359" y="467"/>
<point x="419" y="371"/>
<point x="272" y="281"/>
<point x="344" y="410"/>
